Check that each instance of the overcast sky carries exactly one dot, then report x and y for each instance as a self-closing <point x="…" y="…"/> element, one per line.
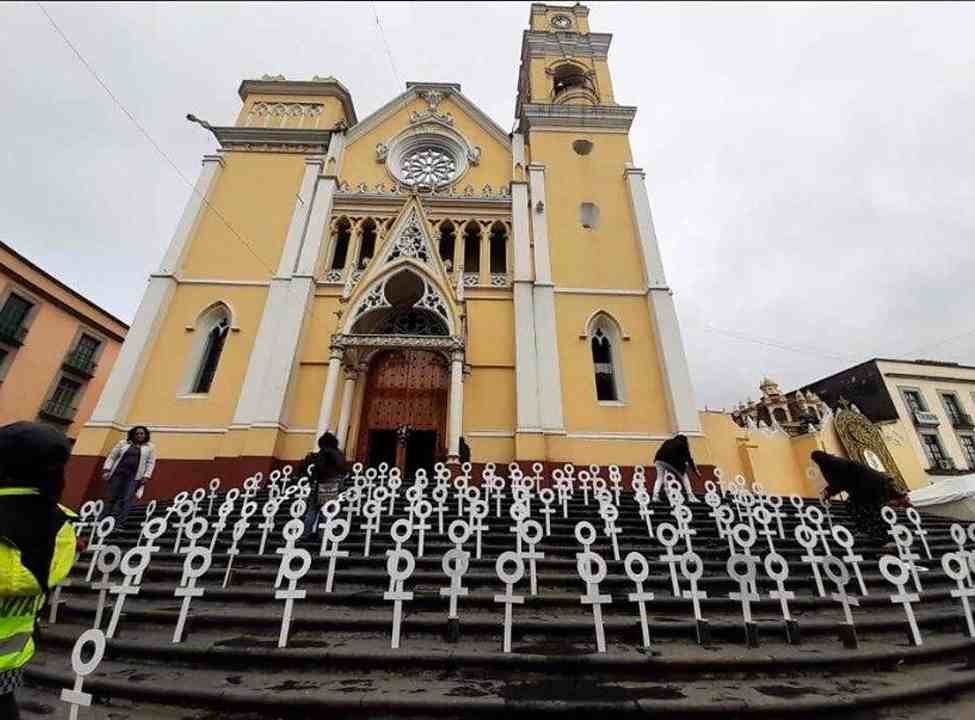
<point x="810" y="167"/>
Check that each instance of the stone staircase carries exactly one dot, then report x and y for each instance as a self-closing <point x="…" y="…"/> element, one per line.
<point x="338" y="661"/>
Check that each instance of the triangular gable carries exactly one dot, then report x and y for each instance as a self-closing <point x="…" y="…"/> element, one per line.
<point x="413" y="91"/>
<point x="408" y="244"/>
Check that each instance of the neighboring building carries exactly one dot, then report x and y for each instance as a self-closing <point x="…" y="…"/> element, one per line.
<point x="408" y="278"/>
<point x="56" y="347"/>
<point x="929" y="403"/>
<point x="793" y="413"/>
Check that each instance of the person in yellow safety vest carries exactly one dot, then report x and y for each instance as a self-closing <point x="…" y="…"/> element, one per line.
<point x="37" y="542"/>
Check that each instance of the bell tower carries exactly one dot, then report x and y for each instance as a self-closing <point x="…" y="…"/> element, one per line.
<point x="588" y="269"/>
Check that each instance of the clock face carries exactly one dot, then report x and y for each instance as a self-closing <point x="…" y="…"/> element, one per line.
<point x="561" y="21"/>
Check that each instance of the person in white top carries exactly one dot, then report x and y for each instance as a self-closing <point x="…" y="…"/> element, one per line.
<point x="126" y="471"/>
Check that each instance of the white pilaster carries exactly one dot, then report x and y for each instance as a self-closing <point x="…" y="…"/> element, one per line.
<point x="456" y="406"/>
<point x="670" y="345"/>
<point x="328" y="396"/>
<point x="526" y="362"/>
<point x="543" y="300"/>
<point x="116" y="398"/>
<point x="345" y="414"/>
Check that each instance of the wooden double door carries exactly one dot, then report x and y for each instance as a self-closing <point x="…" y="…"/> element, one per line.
<point x="404" y="410"/>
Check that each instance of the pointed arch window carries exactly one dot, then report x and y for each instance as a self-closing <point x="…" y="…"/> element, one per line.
<point x="446" y="246"/>
<point x="472" y="248"/>
<point x="212" y="329"/>
<point x="343" y="234"/>
<point x="367" y="245"/>
<point x="499" y="249"/>
<point x="605" y="346"/>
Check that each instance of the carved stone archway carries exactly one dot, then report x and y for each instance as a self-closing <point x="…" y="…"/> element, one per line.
<point x="865" y="444"/>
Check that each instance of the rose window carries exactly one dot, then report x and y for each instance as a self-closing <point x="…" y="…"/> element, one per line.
<point x="428" y="167"/>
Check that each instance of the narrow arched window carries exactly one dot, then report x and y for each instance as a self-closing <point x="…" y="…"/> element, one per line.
<point x="472" y="248"/>
<point x="343" y="234"/>
<point x="602" y="360"/>
<point x="499" y="249"/>
<point x="605" y="338"/>
<point x="367" y="246"/>
<point x="212" y="349"/>
<point x="447" y="238"/>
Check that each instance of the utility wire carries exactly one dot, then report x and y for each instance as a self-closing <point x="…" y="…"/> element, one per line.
<point x="775" y="344"/>
<point x="389" y="52"/>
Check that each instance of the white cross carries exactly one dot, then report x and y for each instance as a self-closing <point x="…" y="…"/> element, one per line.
<point x="150" y="509"/>
<point x="184" y="510"/>
<point x="684" y="516"/>
<point x="609" y="514"/>
<point x="423" y="511"/>
<point x="133" y="563"/>
<point x="455" y="563"/>
<point x="777" y="568"/>
<point x="904" y="539"/>
<point x="75" y="697"/>
<point x="815" y="517"/>
<point x="498" y="484"/>
<point x="108" y="562"/>
<point x="104" y="529"/>
<point x="668" y="536"/>
<point x="531" y="532"/>
<point x="584" y="481"/>
<point x="837" y="572"/>
<point x="396" y="593"/>
<point x="394" y="486"/>
<point x="638" y="571"/>
<point x="198" y="496"/>
<point x="693" y="569"/>
<point x="440" y="496"/>
<point x="915" y="517"/>
<point x="401" y="532"/>
<point x="371" y="512"/>
<point x="746" y="581"/>
<point x="957" y="568"/>
<point x="775" y="502"/>
<point x="547" y="496"/>
<point x="896" y="572"/>
<point x="195" y="529"/>
<point x="240" y="527"/>
<point x="337" y="532"/>
<point x="222" y="514"/>
<point x="518" y="513"/>
<point x="330" y="511"/>
<point x="509" y="578"/>
<point x="764" y="518"/>
<point x="460" y="485"/>
<point x="479" y="512"/>
<point x="293" y="575"/>
<point x="958" y="535"/>
<point x="844" y="538"/>
<point x="187" y="585"/>
<point x="806" y="537"/>
<point x="592" y="578"/>
<point x="269" y="511"/>
<point x="725" y="520"/>
<point x="214" y="486"/>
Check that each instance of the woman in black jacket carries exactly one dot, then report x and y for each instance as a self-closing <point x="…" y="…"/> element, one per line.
<point x="325" y="470"/>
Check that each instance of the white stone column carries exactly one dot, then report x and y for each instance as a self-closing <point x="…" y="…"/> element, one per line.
<point x="546" y="338"/>
<point x="328" y="396"/>
<point x="345" y="414"/>
<point x="456" y="406"/>
<point x="116" y="398"/>
<point x="670" y="345"/>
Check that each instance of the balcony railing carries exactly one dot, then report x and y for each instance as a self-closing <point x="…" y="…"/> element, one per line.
<point x="945" y="464"/>
<point x="922" y="418"/>
<point x="80" y="363"/>
<point x="58" y="411"/>
<point x="962" y="421"/>
<point x="12" y="332"/>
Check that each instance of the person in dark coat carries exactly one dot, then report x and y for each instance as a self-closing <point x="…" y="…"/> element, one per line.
<point x="126" y="471"/>
<point x="325" y="470"/>
<point x="464" y="451"/>
<point x="37" y="542"/>
<point x="867" y="491"/>
<point x="674" y="457"/>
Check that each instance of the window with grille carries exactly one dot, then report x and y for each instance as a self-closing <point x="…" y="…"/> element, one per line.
<point x="914" y="401"/>
<point x="211" y="356"/>
<point x="955" y="413"/>
<point x="87" y="347"/>
<point x="968" y="446"/>
<point x="934" y="451"/>
<point x="65" y="394"/>
<point x="14" y="312"/>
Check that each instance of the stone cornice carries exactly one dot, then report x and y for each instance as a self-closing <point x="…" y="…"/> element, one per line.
<point x="430" y="342"/>
<point x="610" y="117"/>
<point x="273" y="139"/>
<point x="328" y="87"/>
<point x="544" y="44"/>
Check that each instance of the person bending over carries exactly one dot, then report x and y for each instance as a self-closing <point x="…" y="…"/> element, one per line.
<point x="674" y="458"/>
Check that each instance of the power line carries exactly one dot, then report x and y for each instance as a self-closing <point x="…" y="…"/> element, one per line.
<point x="939" y="343"/>
<point x="777" y="345"/>
<point x="156" y="145"/>
<point x="389" y="52"/>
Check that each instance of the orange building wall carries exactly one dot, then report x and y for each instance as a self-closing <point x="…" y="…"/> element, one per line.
<point x="33" y="369"/>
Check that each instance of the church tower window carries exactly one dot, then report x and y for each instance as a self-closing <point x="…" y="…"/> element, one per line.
<point x="367" y="245"/>
<point x="214" y="326"/>
<point x="343" y="234"/>
<point x="568" y="77"/>
<point x="604" y="342"/>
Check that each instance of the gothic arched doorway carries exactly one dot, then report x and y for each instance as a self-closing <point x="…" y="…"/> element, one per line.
<point x="404" y="414"/>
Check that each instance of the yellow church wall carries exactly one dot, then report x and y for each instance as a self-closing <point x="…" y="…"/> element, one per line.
<point x="255" y="194"/>
<point x="359" y="163"/>
<point x="489" y="399"/>
<point x="187" y="446"/>
<point x="644" y="408"/>
<point x="162" y="397"/>
<point x="492" y="449"/>
<point x="331" y="113"/>
<point x="609" y="255"/>
<point x="490" y="332"/>
<point x="898" y="437"/>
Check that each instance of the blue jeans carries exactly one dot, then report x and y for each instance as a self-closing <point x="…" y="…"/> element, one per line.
<point x="123" y="496"/>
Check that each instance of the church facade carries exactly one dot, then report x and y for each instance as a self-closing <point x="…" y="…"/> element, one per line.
<point x="408" y="279"/>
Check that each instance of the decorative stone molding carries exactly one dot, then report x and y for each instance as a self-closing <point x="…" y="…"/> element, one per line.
<point x="318" y="87"/>
<point x="612" y="117"/>
<point x="500" y="280"/>
<point x="450" y="343"/>
<point x="561" y="44"/>
<point x="471" y="279"/>
<point x="258" y="139"/>
<point x="347" y="191"/>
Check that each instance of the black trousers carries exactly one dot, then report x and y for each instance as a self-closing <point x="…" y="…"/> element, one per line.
<point x="8" y="707"/>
